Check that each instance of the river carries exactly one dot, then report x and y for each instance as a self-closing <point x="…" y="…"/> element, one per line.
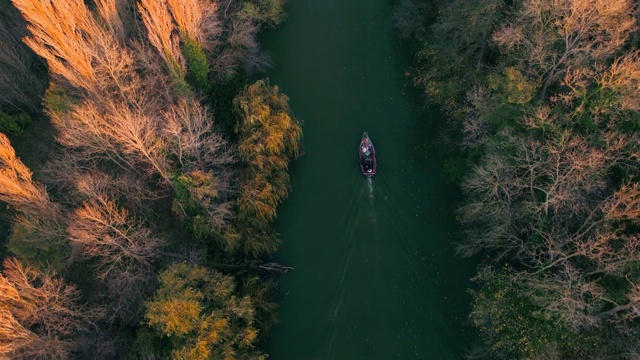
<point x="375" y="273"/>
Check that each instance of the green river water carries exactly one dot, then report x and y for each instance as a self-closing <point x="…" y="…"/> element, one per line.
<point x="375" y="273"/>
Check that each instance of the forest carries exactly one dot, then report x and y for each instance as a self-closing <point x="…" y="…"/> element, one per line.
<point x="141" y="164"/>
<point x="542" y="99"/>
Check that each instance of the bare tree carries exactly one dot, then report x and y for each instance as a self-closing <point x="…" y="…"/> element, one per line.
<point x="120" y="242"/>
<point x="568" y="297"/>
<point x="42" y="312"/>
<point x="543" y="188"/>
<point x="160" y="32"/>
<point x="623" y="78"/>
<point x="197" y="20"/>
<point x="111" y="12"/>
<point x="17" y="187"/>
<point x="204" y="158"/>
<point x="550" y="37"/>
<point x="240" y="47"/>
<point x="13" y="335"/>
<point x="195" y="143"/>
<point x="77" y="49"/>
<point x="114" y="132"/>
<point x="475" y="129"/>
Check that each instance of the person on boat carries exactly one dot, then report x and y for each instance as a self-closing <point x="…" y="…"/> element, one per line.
<point x="368" y="160"/>
<point x="368" y="164"/>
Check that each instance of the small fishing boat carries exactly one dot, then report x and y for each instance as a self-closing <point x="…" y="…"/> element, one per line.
<point x="367" y="154"/>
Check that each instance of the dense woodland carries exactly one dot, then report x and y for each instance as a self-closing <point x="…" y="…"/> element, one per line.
<point x="141" y="165"/>
<point x="542" y="98"/>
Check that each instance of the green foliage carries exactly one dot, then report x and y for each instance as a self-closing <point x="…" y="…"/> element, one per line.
<point x="13" y="124"/>
<point x="454" y="53"/>
<point x="197" y="64"/>
<point x="262" y="292"/>
<point x="56" y="99"/>
<point x="507" y="320"/>
<point x="443" y="79"/>
<point x="36" y="242"/>
<point x="203" y="315"/>
<point x="177" y="76"/>
<point x="512" y="87"/>
<point x="269" y="13"/>
<point x="192" y="190"/>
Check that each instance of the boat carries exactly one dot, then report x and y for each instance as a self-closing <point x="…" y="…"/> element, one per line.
<point x="367" y="154"/>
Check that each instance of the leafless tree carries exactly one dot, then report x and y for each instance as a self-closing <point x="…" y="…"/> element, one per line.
<point x="568" y="297"/>
<point x="204" y="158"/>
<point x="623" y="78"/>
<point x="240" y="47"/>
<point x="189" y="125"/>
<point x="17" y="187"/>
<point x="475" y="129"/>
<point x="160" y="32"/>
<point x="42" y="313"/>
<point x="116" y="133"/>
<point x="541" y="187"/>
<point x="197" y="19"/>
<point x="111" y="12"/>
<point x="78" y="50"/>
<point x="552" y="37"/>
<point x="121" y="243"/>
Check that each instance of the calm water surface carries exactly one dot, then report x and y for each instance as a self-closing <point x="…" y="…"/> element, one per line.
<point x="375" y="273"/>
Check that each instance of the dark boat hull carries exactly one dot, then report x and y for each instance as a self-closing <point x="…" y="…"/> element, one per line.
<point x="367" y="154"/>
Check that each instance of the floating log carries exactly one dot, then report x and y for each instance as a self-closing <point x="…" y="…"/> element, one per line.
<point x="275" y="267"/>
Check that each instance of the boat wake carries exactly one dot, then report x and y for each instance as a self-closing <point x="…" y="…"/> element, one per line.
<point x="350" y="240"/>
<point x="373" y="216"/>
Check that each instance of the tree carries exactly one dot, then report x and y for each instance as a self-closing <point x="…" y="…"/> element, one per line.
<point x="269" y="138"/>
<point x="159" y="24"/>
<point x="456" y="49"/>
<point x="113" y="131"/>
<point x="111" y="13"/>
<point x="122" y="245"/>
<point x="38" y="231"/>
<point x="18" y="189"/>
<point x="77" y="49"/>
<point x="200" y="31"/>
<point x="549" y="38"/>
<point x="202" y="314"/>
<point x="543" y="199"/>
<point x="204" y="184"/>
<point x="238" y="43"/>
<point x="514" y="327"/>
<point x="40" y="316"/>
